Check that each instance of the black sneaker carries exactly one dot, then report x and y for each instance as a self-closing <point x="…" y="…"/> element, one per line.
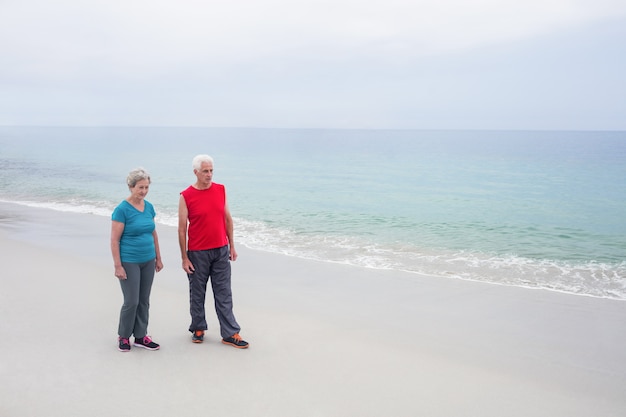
<point x="124" y="344"/>
<point x="198" y="336"/>
<point x="146" y="343"/>
<point x="235" y="341"/>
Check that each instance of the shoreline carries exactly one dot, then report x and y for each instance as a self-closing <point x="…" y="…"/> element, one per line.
<point x="325" y="339"/>
<point x="616" y="292"/>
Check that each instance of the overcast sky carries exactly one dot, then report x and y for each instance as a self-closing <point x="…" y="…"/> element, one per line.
<point x="423" y="64"/>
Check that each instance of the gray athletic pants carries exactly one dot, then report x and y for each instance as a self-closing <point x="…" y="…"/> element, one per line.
<point x="213" y="264"/>
<point x="136" y="289"/>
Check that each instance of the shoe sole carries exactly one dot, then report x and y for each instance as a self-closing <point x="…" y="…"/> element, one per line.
<point x="197" y="341"/>
<point x="124" y="350"/>
<point x="234" y="345"/>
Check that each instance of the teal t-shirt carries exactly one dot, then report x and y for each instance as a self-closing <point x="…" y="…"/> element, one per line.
<point x="137" y="243"/>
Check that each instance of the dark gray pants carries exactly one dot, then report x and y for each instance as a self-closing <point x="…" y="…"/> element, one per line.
<point x="136" y="289"/>
<point x="213" y="264"/>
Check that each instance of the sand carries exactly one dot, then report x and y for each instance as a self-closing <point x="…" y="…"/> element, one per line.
<point x="325" y="339"/>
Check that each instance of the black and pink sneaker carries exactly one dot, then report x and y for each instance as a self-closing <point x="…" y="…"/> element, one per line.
<point x="146" y="343"/>
<point x="124" y="344"/>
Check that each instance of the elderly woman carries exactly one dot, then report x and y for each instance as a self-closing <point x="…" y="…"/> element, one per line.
<point x="136" y="256"/>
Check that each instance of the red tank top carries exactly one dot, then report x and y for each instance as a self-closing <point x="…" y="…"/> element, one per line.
<point x="207" y="220"/>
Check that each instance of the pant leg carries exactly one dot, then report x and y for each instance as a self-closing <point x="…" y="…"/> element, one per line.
<point x="222" y="292"/>
<point x="142" y="315"/>
<point x="197" y="289"/>
<point x="130" y="290"/>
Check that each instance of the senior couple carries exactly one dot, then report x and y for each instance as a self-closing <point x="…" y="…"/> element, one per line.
<point x="205" y="235"/>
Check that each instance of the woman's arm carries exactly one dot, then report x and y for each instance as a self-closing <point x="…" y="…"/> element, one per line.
<point x="117" y="228"/>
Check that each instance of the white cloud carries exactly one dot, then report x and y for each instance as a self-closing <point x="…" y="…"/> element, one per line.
<point x="250" y="60"/>
<point x="146" y="35"/>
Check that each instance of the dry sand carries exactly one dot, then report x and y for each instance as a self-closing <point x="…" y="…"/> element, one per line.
<point x="325" y="339"/>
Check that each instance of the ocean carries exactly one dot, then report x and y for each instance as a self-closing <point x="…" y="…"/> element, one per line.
<point x="535" y="209"/>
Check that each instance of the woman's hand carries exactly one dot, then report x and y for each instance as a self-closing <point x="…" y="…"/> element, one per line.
<point x="120" y="272"/>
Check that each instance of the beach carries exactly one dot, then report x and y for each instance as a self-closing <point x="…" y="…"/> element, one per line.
<point x="326" y="339"/>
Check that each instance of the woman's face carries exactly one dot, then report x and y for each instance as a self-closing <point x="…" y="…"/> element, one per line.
<point x="140" y="189"/>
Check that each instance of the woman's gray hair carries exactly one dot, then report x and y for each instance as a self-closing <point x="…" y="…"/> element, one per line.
<point x="137" y="175"/>
<point x="199" y="159"/>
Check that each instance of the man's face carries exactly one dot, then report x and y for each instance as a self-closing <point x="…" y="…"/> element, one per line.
<point x="205" y="173"/>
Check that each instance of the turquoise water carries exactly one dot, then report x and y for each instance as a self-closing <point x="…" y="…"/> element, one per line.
<point x="532" y="209"/>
